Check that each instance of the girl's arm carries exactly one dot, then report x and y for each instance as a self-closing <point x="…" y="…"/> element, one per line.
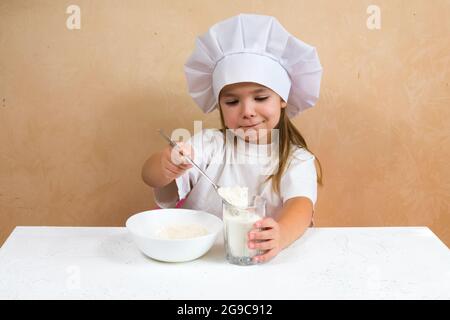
<point x="153" y="173"/>
<point x="164" y="167"/>
<point x="295" y="217"/>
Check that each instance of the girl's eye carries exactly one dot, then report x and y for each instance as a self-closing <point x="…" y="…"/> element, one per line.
<point x="235" y="101"/>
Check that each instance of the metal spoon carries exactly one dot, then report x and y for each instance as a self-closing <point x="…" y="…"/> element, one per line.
<point x="216" y="187"/>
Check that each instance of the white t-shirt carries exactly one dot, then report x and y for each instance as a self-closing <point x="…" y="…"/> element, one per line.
<point x="229" y="166"/>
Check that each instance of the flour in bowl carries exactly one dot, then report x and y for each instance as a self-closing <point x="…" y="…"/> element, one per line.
<point x="185" y="231"/>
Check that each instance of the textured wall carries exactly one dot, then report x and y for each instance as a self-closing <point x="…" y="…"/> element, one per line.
<point x="79" y="108"/>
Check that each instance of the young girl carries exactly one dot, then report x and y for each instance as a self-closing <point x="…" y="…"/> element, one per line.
<point x="258" y="76"/>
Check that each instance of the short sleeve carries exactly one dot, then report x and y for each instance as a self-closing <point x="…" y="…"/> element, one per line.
<point x="300" y="178"/>
<point x="204" y="143"/>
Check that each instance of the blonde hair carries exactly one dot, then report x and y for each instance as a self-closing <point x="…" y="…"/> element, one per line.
<point x="288" y="135"/>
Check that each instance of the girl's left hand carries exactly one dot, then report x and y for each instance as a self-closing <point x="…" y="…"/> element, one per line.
<point x="265" y="236"/>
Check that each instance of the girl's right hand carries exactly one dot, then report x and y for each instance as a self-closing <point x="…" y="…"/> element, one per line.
<point x="173" y="163"/>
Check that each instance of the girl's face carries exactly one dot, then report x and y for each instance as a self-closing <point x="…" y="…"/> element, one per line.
<point x="252" y="108"/>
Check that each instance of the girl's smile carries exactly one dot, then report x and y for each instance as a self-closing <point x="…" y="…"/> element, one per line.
<point x="252" y="125"/>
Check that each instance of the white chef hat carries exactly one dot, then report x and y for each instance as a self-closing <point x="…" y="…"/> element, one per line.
<point x="253" y="48"/>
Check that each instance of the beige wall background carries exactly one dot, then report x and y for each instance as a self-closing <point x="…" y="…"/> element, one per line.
<point x="79" y="108"/>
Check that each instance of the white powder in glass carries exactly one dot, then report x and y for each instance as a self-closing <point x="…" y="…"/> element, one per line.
<point x="182" y="231"/>
<point x="238" y="221"/>
<point x="236" y="229"/>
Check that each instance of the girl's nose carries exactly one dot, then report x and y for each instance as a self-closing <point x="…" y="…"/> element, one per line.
<point x="248" y="110"/>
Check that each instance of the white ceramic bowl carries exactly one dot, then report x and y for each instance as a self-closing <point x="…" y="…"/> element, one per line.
<point x="144" y="228"/>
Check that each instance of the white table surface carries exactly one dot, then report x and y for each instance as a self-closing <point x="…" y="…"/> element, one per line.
<point x="326" y="263"/>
